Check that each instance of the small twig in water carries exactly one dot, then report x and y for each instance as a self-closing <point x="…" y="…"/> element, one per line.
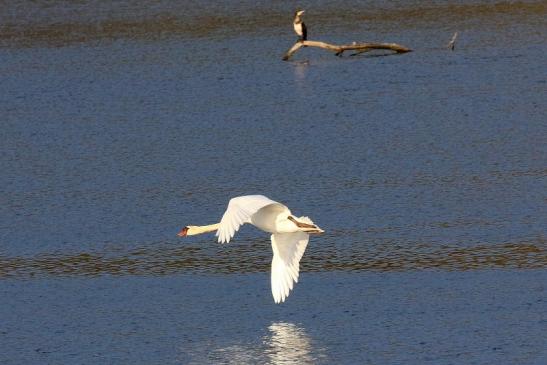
<point x="452" y="42"/>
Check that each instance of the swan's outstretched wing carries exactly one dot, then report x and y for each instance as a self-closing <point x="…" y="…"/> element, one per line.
<point x="239" y="211"/>
<point x="288" y="249"/>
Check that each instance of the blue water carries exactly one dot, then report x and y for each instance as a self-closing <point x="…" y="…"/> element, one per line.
<point x="120" y="124"/>
<point x="412" y="317"/>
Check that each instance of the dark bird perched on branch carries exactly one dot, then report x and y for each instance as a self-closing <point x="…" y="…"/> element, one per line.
<point x="299" y="26"/>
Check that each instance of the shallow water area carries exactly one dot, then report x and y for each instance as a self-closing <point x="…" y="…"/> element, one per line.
<point x="122" y="123"/>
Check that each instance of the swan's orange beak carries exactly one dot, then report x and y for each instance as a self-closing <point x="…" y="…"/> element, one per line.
<point x="183" y="232"/>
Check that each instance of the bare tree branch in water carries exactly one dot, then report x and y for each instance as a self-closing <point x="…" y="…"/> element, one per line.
<point x="339" y="49"/>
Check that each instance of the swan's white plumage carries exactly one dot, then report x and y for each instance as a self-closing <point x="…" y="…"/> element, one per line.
<point x="288" y="249"/>
<point x="239" y="211"/>
<point x="289" y="235"/>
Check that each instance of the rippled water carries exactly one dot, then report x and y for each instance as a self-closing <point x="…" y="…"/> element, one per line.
<point x="121" y="123"/>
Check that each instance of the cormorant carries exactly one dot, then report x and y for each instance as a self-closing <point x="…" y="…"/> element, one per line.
<point x="299" y="26"/>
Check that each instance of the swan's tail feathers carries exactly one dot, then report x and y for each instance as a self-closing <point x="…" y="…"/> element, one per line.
<point x="306" y="220"/>
<point x="307" y="225"/>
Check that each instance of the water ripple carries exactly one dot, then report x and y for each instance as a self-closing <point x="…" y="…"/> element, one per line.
<point x="245" y="257"/>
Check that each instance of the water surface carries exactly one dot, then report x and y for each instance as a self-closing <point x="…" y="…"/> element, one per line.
<point x="121" y="123"/>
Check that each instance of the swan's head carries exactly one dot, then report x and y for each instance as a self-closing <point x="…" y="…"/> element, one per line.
<point x="184" y="232"/>
<point x="190" y="231"/>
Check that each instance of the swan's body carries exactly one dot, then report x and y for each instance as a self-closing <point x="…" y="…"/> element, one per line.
<point x="289" y="238"/>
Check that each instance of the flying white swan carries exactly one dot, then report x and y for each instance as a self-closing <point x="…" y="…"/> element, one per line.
<point x="290" y="235"/>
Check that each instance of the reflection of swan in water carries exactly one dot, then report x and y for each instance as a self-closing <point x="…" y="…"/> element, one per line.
<point x="288" y="344"/>
<point x="285" y="344"/>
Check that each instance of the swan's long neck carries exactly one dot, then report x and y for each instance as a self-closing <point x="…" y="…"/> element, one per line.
<point x="193" y="230"/>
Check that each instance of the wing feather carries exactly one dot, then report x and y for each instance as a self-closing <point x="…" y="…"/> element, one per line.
<point x="288" y="249"/>
<point x="239" y="212"/>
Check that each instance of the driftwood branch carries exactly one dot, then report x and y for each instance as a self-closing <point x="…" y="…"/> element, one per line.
<point x="339" y="49"/>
